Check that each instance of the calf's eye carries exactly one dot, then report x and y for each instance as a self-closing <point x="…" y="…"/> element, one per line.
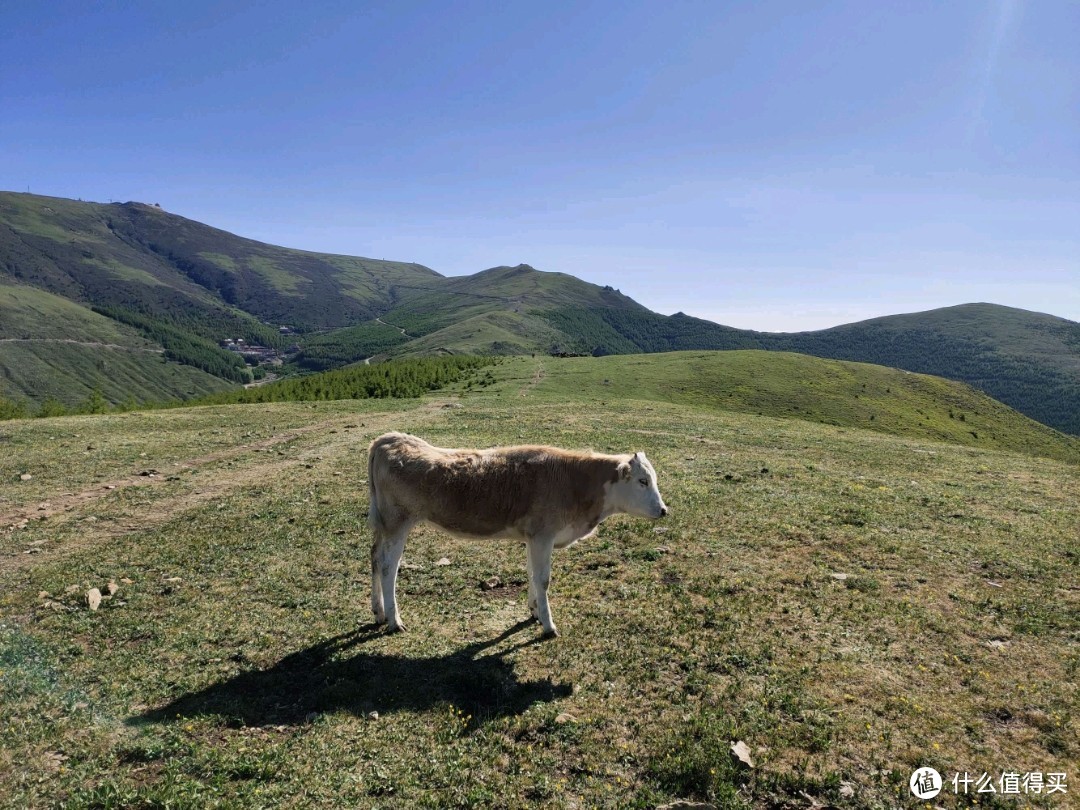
<point x="643" y="481"/>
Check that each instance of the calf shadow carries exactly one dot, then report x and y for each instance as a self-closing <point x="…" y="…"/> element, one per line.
<point x="325" y="678"/>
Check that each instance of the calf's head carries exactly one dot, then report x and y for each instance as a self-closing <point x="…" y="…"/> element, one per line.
<point x="635" y="491"/>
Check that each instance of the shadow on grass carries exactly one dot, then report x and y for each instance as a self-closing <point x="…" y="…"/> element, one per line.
<point x="325" y="678"/>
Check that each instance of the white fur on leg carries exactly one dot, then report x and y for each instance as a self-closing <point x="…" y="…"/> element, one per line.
<point x="540" y="549"/>
<point x="392" y="549"/>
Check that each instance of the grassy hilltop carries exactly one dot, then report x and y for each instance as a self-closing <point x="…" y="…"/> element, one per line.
<point x="850" y="603"/>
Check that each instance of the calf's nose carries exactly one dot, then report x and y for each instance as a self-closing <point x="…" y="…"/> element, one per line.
<point x="663" y="511"/>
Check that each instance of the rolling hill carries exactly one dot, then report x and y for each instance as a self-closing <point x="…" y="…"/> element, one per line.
<point x="1027" y="360"/>
<point x="794" y="386"/>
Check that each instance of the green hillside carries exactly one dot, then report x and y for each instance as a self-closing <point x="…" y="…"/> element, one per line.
<point x="521" y="289"/>
<point x="1027" y="360"/>
<point x="52" y="348"/>
<point x="781" y="384"/>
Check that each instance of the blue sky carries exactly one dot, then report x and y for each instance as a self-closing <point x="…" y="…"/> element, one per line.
<point x="769" y="165"/>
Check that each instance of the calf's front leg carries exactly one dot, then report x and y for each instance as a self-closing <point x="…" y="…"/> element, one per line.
<point x="539" y="569"/>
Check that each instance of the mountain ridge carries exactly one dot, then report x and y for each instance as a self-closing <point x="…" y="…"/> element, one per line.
<point x="187" y="287"/>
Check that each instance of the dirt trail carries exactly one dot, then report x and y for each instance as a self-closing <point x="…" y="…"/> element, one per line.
<point x="146" y="350"/>
<point x="403" y="332"/>
<point x="535" y="381"/>
<point x="212" y="482"/>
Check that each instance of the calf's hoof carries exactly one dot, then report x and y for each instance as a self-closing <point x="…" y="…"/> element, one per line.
<point x="395" y="627"/>
<point x="551" y="632"/>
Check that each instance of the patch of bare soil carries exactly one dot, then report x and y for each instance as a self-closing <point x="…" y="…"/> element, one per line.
<point x="253" y="464"/>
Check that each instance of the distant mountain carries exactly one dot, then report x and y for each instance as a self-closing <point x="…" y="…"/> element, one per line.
<point x="175" y="289"/>
<point x="182" y="286"/>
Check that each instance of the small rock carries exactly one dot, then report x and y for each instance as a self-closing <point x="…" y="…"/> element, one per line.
<point x="443" y="561"/>
<point x="840" y="577"/>
<point x="683" y="804"/>
<point x="564" y="718"/>
<point x="174" y="579"/>
<point x="110" y="486"/>
<point x="491" y="584"/>
<point x="661" y="530"/>
<point x="740" y="753"/>
<point x="44" y="595"/>
<point x="112" y="588"/>
<point x="93" y="598"/>
<point x="372" y="715"/>
<point x="126" y="580"/>
<point x="998" y="644"/>
<point x="847" y="790"/>
<point x="25" y="477"/>
<point x="72" y="589"/>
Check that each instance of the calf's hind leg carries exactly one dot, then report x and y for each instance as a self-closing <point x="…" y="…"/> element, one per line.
<point x="376" y="578"/>
<point x="389" y="559"/>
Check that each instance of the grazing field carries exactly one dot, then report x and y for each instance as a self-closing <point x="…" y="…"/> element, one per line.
<point x="848" y="603"/>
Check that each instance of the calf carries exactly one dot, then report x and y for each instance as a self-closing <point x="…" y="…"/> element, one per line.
<point x="547" y="497"/>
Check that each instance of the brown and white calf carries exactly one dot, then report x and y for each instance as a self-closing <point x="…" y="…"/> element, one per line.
<point x="547" y="497"/>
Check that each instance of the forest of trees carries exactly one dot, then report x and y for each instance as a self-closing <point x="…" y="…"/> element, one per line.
<point x="397" y="378"/>
<point x="183" y="345"/>
<point x="348" y="345"/>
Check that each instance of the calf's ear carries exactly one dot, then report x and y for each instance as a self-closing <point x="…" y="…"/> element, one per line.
<point x="624" y="471"/>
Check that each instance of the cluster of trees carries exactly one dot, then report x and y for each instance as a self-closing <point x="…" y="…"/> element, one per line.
<point x="183" y="345"/>
<point x="399" y="378"/>
<point x="94" y="403"/>
<point x="343" y="346"/>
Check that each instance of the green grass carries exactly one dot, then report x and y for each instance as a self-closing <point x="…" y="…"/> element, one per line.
<point x="234" y="667"/>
